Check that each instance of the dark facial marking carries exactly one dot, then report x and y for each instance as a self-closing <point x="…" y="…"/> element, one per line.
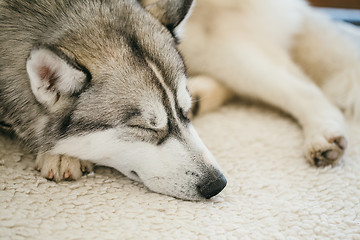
<point x="196" y="106"/>
<point x="68" y="126"/>
<point x="83" y="125"/>
<point x="65" y="124"/>
<point x="184" y="119"/>
<point x="131" y="113"/>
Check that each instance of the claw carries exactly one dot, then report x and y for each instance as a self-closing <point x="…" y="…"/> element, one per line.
<point x="51" y="174"/>
<point x="330" y="154"/>
<point x="67" y="174"/>
<point x="59" y="167"/>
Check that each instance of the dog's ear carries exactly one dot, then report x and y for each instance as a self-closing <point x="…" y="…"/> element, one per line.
<point x="171" y="13"/>
<point x="53" y="76"/>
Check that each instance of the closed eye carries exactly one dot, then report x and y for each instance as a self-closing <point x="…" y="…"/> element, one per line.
<point x="157" y="135"/>
<point x="158" y="131"/>
<point x="144" y="128"/>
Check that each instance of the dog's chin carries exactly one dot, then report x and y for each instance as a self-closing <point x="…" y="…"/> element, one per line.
<point x="184" y="196"/>
<point x="190" y="195"/>
<point x="197" y="198"/>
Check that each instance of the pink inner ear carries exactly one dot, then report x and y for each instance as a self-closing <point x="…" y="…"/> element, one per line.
<point x="48" y="75"/>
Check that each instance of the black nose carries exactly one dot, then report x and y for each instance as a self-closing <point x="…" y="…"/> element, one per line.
<point x="211" y="187"/>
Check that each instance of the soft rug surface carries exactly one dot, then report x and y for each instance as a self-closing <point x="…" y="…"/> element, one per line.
<point x="272" y="192"/>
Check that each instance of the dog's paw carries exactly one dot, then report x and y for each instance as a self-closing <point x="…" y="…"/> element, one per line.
<point x="323" y="151"/>
<point x="61" y="167"/>
<point x="207" y="94"/>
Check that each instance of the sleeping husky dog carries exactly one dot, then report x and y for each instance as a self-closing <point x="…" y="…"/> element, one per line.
<point x="103" y="81"/>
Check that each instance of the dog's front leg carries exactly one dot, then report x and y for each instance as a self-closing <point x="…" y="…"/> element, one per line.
<point x="61" y="167"/>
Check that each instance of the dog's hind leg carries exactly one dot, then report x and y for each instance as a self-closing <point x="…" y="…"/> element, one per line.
<point x="276" y="80"/>
<point x="329" y="52"/>
<point x="61" y="167"/>
<point x="207" y="94"/>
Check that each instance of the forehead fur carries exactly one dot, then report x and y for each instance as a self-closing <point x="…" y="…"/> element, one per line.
<point x="118" y="41"/>
<point x="154" y="113"/>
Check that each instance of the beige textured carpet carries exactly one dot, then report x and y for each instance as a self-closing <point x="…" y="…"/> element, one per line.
<point x="272" y="192"/>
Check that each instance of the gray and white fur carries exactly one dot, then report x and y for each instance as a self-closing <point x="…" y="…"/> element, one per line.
<point x="102" y="80"/>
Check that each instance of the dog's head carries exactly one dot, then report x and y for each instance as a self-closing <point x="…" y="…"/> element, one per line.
<point x="114" y="89"/>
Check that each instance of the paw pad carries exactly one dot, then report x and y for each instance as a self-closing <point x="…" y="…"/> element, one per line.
<point x="330" y="153"/>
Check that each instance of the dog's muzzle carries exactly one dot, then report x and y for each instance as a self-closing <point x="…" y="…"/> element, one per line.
<point x="212" y="184"/>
